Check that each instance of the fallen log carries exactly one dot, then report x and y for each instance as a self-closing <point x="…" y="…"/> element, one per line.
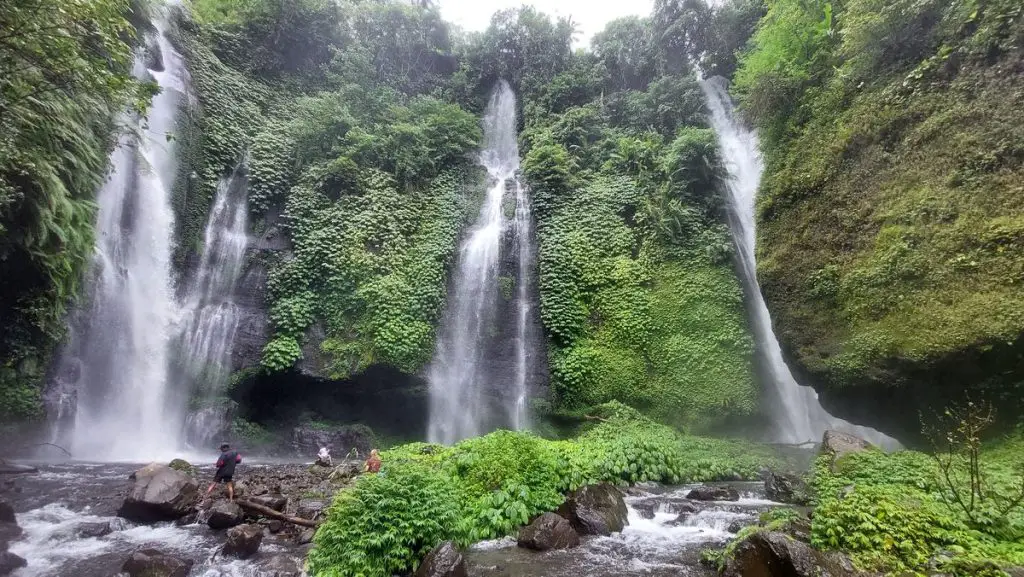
<point x="268" y="512"/>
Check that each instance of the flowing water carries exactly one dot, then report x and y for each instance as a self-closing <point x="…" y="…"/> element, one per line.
<point x="117" y="360"/>
<point x="59" y="507"/>
<point x="463" y="388"/>
<point x="210" y="315"/>
<point x="657" y="542"/>
<point x="524" y="306"/>
<point x="799" y="415"/>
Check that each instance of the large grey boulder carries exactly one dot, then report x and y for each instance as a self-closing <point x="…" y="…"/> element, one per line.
<point x="9" y="563"/>
<point x="160" y="493"/>
<point x="838" y="444"/>
<point x="713" y="493"/>
<point x="595" y="510"/>
<point x="549" y="531"/>
<point x="224" y="515"/>
<point x="7" y="512"/>
<point x="775" y="554"/>
<point x="243" y="541"/>
<point x="154" y="563"/>
<point x="444" y="561"/>
<point x="787" y="488"/>
<point x="281" y="566"/>
<point x="273" y="501"/>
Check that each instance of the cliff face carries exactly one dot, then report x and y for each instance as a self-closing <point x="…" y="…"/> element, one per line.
<point x="891" y="224"/>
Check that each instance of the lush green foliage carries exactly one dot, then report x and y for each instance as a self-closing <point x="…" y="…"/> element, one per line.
<point x="891" y="208"/>
<point x="366" y="172"/>
<point x="487" y="487"/>
<point x="893" y="514"/>
<point x="64" y="74"/>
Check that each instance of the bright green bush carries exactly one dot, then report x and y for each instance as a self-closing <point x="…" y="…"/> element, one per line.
<point x="892" y="514"/>
<point x="388" y="522"/>
<point x="489" y="486"/>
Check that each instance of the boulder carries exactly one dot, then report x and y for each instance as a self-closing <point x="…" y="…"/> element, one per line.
<point x="9" y="563"/>
<point x="787" y="488"/>
<point x="93" y="530"/>
<point x="243" y="541"/>
<point x="444" y="561"/>
<point x="274" y="526"/>
<point x="549" y="531"/>
<point x="9" y="532"/>
<point x="181" y="465"/>
<point x="273" y="501"/>
<point x="154" y="563"/>
<point x="838" y="445"/>
<point x="775" y="554"/>
<point x="281" y="566"/>
<point x="595" y="510"/>
<point x="310" y="508"/>
<point x="224" y="515"/>
<point x="7" y="512"/>
<point x="160" y="494"/>
<point x="306" y="536"/>
<point x="714" y="493"/>
<point x="648" y="506"/>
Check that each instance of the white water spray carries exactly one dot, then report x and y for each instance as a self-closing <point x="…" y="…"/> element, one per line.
<point x="125" y="407"/>
<point x="799" y="415"/>
<point x="210" y="315"/>
<point x="459" y="407"/>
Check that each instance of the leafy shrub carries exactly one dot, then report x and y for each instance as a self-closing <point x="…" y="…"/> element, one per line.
<point x="388" y="522"/>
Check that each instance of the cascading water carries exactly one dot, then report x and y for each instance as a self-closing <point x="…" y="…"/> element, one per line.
<point x="118" y="356"/>
<point x="800" y="416"/>
<point x="460" y="406"/>
<point x="524" y="305"/>
<point x="210" y="316"/>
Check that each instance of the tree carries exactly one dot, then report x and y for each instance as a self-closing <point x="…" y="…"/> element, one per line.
<point x="627" y="49"/>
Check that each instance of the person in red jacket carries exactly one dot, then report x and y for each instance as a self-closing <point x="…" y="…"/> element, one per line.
<point x="225" y="470"/>
<point x="374" y="462"/>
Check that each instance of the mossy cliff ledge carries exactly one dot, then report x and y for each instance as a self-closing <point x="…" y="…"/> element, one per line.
<point x="891" y="223"/>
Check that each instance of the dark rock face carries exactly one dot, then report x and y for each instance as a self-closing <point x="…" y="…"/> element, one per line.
<point x="9" y="562"/>
<point x="160" y="494"/>
<point x="281" y="566"/>
<point x="595" y="510"/>
<point x="310" y="508"/>
<point x="708" y="493"/>
<point x="787" y="488"/>
<point x="7" y="512"/>
<point x="839" y="444"/>
<point x="647" y="507"/>
<point x="8" y="532"/>
<point x="224" y="515"/>
<point x="92" y="530"/>
<point x="444" y="561"/>
<point x="243" y="541"/>
<point x="273" y="501"/>
<point x="154" y="563"/>
<point x="549" y="531"/>
<point x="773" y="554"/>
<point x="340" y="441"/>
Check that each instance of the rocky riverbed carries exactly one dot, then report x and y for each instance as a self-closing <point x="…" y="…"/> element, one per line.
<point x="69" y="521"/>
<point x="69" y="515"/>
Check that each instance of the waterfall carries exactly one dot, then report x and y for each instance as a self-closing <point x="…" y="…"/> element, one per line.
<point x="798" y="414"/>
<point x="210" y="316"/>
<point x="118" y="357"/>
<point x="464" y="391"/>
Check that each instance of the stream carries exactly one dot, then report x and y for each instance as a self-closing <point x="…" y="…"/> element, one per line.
<point x="62" y="504"/>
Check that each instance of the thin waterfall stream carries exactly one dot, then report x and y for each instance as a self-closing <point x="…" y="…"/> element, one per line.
<point x="798" y="413"/>
<point x="468" y="397"/>
<point x="210" y="316"/>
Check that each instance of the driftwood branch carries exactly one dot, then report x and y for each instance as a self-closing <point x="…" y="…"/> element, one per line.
<point x="66" y="452"/>
<point x="268" y="512"/>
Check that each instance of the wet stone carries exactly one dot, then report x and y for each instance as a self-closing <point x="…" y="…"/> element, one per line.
<point x="549" y="531"/>
<point x="93" y="530"/>
<point x="714" y="493"/>
<point x="9" y="562"/>
<point x="155" y="563"/>
<point x="595" y="510"/>
<point x="224" y="515"/>
<point x="444" y="561"/>
<point x="243" y="541"/>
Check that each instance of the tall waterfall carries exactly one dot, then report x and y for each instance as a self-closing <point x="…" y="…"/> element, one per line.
<point x="467" y="396"/>
<point x="118" y="357"/>
<point x="210" y="316"/>
<point x="799" y="416"/>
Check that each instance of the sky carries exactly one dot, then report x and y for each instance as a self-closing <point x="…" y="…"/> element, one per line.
<point x="590" y="16"/>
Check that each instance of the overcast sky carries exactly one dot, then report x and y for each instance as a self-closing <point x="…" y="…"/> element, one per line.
<point x="590" y="16"/>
